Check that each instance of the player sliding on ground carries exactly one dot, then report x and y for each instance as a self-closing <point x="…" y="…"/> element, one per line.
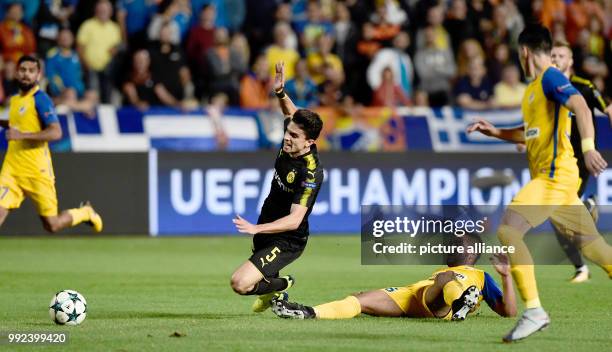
<point x="552" y="191"/>
<point x="281" y="232"/>
<point x="27" y="168"/>
<point x="450" y="293"/>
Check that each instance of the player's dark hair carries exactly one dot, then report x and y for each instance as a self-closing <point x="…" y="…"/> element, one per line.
<point x="28" y="58"/>
<point x="465" y="258"/>
<point x="309" y="122"/>
<point x="536" y="37"/>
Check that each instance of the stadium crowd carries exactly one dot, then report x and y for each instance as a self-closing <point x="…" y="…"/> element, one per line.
<point x="179" y="53"/>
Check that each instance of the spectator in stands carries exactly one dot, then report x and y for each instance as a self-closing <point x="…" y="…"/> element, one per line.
<point x="215" y="113"/>
<point x="496" y="63"/>
<point x="29" y="9"/>
<point x="323" y="64"/>
<point x="240" y="45"/>
<point x="283" y="14"/>
<point x="578" y="14"/>
<point x="98" y="41"/>
<point x="255" y="86"/>
<point x="225" y="67"/>
<point x="309" y="30"/>
<point x="16" y="38"/>
<point x="346" y="36"/>
<point x="170" y="71"/>
<point x="230" y="13"/>
<point x="133" y="17"/>
<point x="398" y="61"/>
<point x="301" y="89"/>
<point x="52" y="16"/>
<point x="457" y="24"/>
<point x="139" y="89"/>
<point x="201" y="38"/>
<point x="435" y="19"/>
<point x="384" y="28"/>
<point x="469" y="50"/>
<point x="389" y="93"/>
<point x="475" y="91"/>
<point x="508" y="93"/>
<point x="280" y="50"/>
<point x="175" y="13"/>
<point x="549" y="11"/>
<point x="65" y="77"/>
<point x="435" y="68"/>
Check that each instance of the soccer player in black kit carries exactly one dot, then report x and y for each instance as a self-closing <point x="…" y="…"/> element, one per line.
<point x="562" y="58"/>
<point x="281" y="232"/>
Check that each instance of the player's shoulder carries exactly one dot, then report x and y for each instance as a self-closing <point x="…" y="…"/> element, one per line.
<point x="41" y="97"/>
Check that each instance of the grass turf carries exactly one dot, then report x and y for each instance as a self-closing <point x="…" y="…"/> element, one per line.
<point x="142" y="290"/>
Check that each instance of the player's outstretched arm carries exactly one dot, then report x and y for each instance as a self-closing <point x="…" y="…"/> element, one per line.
<point x="506" y="307"/>
<point x="514" y="135"/>
<point x="279" y="89"/>
<point x="594" y="162"/>
<point x="286" y="223"/>
<point x="52" y="132"/>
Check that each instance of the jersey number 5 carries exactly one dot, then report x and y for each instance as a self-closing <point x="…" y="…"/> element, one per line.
<point x="270" y="257"/>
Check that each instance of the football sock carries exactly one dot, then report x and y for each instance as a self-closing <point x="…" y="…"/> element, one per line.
<point x="521" y="265"/>
<point x="452" y="291"/>
<point x="78" y="215"/>
<point x="571" y="251"/>
<point x="600" y="253"/>
<point x="268" y="285"/>
<point x="343" y="309"/>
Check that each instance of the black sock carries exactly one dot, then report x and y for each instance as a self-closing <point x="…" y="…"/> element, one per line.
<point x="570" y="249"/>
<point x="271" y="285"/>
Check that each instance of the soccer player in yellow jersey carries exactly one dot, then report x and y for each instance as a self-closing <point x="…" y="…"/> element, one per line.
<point x="552" y="191"/>
<point x="27" y="168"/>
<point x="450" y="293"/>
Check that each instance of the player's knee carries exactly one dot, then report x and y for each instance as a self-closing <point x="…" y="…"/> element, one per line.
<point x="240" y="285"/>
<point x="51" y="225"/>
<point x="508" y="234"/>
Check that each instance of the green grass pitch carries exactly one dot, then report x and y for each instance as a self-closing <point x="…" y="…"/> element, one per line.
<point x="142" y="290"/>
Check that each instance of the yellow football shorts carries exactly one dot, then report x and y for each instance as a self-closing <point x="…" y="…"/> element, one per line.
<point x="544" y="198"/>
<point x="14" y="189"/>
<point x="411" y="299"/>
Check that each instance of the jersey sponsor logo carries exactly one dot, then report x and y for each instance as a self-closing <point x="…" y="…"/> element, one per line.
<point x="560" y="89"/>
<point x="309" y="185"/>
<point x="532" y="133"/>
<point x="291" y="176"/>
<point x="280" y="183"/>
<point x="531" y="98"/>
<point x="459" y="276"/>
<point x="22" y="110"/>
<point x="391" y="289"/>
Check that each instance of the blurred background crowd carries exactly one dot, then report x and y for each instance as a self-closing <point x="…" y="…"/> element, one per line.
<point x="183" y="53"/>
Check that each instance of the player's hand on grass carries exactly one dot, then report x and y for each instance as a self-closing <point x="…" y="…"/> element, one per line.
<point x="13" y="134"/>
<point x="501" y="263"/>
<point x="594" y="162"/>
<point x="484" y="127"/>
<point x="244" y="226"/>
<point x="279" y="79"/>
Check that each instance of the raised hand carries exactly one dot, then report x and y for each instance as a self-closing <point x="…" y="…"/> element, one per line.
<point x="501" y="264"/>
<point x="279" y="78"/>
<point x="484" y="127"/>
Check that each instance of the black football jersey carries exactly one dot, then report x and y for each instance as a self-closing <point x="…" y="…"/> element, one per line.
<point x="296" y="181"/>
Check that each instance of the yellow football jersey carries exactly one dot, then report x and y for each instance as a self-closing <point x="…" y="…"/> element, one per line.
<point x="548" y="126"/>
<point x="31" y="112"/>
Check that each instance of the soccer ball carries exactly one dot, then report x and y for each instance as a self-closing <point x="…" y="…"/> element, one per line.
<point x="68" y="307"/>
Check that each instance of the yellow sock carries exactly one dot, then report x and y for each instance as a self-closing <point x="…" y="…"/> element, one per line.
<point x="344" y="309"/>
<point x="600" y="253"/>
<point x="521" y="265"/>
<point x="78" y="215"/>
<point x="452" y="291"/>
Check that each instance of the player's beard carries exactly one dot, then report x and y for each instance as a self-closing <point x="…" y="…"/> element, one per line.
<point x="25" y="86"/>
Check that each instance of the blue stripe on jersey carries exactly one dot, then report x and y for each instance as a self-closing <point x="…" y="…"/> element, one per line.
<point x="491" y="292"/>
<point x="555" y="140"/>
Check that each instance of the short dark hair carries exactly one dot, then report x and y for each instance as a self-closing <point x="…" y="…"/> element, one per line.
<point x="536" y="37"/>
<point x="29" y="58"/>
<point x="465" y="258"/>
<point x="310" y="122"/>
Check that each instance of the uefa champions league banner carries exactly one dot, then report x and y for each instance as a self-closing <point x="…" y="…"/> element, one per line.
<point x="200" y="193"/>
